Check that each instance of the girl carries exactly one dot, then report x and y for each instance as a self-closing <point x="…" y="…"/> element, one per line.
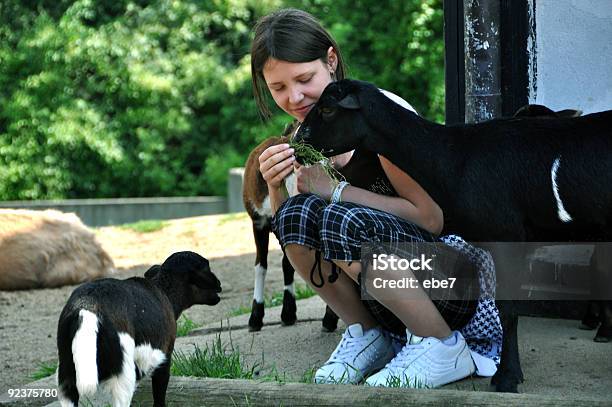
<point x="294" y="58"/>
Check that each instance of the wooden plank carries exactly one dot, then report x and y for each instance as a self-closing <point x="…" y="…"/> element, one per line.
<point x="189" y="392"/>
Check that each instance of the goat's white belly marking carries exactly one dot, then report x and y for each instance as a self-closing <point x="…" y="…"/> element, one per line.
<point x="562" y="213"/>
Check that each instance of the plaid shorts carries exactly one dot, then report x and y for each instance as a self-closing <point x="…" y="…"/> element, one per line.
<point x="338" y="231"/>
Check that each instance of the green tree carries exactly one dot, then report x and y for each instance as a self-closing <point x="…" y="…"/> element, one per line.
<point x="106" y="98"/>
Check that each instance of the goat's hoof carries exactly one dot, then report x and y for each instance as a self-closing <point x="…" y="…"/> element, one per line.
<point x="506" y="387"/>
<point x="507" y="381"/>
<point x="603" y="335"/>
<point x="288" y="320"/>
<point x="330" y="320"/>
<point x="329" y="325"/>
<point x="289" y="312"/>
<point x="256" y="318"/>
<point x="255" y="328"/>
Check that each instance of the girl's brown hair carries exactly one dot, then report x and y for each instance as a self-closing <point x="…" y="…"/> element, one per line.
<point x="289" y="35"/>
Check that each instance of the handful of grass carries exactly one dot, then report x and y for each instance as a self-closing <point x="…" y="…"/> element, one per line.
<point x="308" y="155"/>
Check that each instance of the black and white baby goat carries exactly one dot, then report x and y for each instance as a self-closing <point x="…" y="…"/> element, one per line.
<point x="113" y="332"/>
<point x="508" y="180"/>
<point x="257" y="204"/>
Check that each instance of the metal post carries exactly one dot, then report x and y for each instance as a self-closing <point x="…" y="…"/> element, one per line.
<point x="482" y="60"/>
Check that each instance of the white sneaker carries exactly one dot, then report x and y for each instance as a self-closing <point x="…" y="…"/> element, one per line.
<point x="357" y="355"/>
<point x="426" y="362"/>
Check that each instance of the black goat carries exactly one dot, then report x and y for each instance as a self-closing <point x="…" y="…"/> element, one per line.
<point x="116" y="331"/>
<point x="508" y="180"/>
<point x="257" y="205"/>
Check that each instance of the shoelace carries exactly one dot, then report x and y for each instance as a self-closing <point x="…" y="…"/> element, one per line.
<point x="406" y="355"/>
<point x="346" y="346"/>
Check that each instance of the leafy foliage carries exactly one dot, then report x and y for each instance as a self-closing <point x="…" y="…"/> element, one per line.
<point x="115" y="98"/>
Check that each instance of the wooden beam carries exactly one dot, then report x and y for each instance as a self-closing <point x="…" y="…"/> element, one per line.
<point x="188" y="392"/>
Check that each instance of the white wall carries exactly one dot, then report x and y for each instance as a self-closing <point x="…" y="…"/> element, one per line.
<point x="573" y="55"/>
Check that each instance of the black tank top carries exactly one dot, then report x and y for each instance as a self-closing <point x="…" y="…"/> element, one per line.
<point x="364" y="171"/>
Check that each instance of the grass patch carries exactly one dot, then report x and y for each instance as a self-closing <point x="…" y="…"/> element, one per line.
<point x="408" y="382"/>
<point x="216" y="361"/>
<point x="184" y="325"/>
<point x="231" y="217"/>
<point x="273" y="376"/>
<point x="45" y="369"/>
<point x="308" y="376"/>
<point x="145" y="226"/>
<point x="243" y="309"/>
<point x="304" y="291"/>
<point x="301" y="292"/>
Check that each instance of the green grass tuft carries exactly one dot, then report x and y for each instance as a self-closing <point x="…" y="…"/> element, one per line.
<point x="304" y="291"/>
<point x="145" y="226"/>
<point x="232" y="217"/>
<point x="308" y="155"/>
<point x="412" y="383"/>
<point x="45" y="369"/>
<point x="243" y="309"/>
<point x="308" y="375"/>
<point x="215" y="361"/>
<point x="301" y="292"/>
<point x="185" y="325"/>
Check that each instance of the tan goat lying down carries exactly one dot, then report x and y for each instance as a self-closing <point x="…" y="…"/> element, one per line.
<point x="41" y="249"/>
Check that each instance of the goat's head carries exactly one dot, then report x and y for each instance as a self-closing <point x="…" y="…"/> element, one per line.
<point x="192" y="272"/>
<point x="334" y="125"/>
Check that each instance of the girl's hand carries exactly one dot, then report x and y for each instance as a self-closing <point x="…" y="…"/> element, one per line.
<point x="314" y="180"/>
<point x="275" y="163"/>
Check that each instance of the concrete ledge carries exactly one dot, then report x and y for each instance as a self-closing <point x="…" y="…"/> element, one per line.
<point x="103" y="212"/>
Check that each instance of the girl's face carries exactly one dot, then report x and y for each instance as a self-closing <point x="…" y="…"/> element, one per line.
<point x="296" y="86"/>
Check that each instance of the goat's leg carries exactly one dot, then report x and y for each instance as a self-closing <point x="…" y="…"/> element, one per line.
<point x="289" y="311"/>
<point x="601" y="264"/>
<point x="67" y="393"/>
<point x="591" y="318"/>
<point x="261" y="233"/>
<point x="604" y="333"/>
<point x="509" y="373"/>
<point x="510" y="260"/>
<point x="122" y="386"/>
<point x="330" y="320"/>
<point x="159" y="381"/>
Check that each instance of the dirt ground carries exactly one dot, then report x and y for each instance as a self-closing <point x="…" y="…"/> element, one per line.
<point x="28" y="319"/>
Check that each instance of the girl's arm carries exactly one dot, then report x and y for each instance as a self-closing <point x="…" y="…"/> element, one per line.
<point x="413" y="203"/>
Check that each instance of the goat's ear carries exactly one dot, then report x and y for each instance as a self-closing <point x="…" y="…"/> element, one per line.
<point x="350" y="101"/>
<point x="152" y="272"/>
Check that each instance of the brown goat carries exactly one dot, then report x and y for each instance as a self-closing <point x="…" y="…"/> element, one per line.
<point x="257" y="204"/>
<point x="42" y="249"/>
